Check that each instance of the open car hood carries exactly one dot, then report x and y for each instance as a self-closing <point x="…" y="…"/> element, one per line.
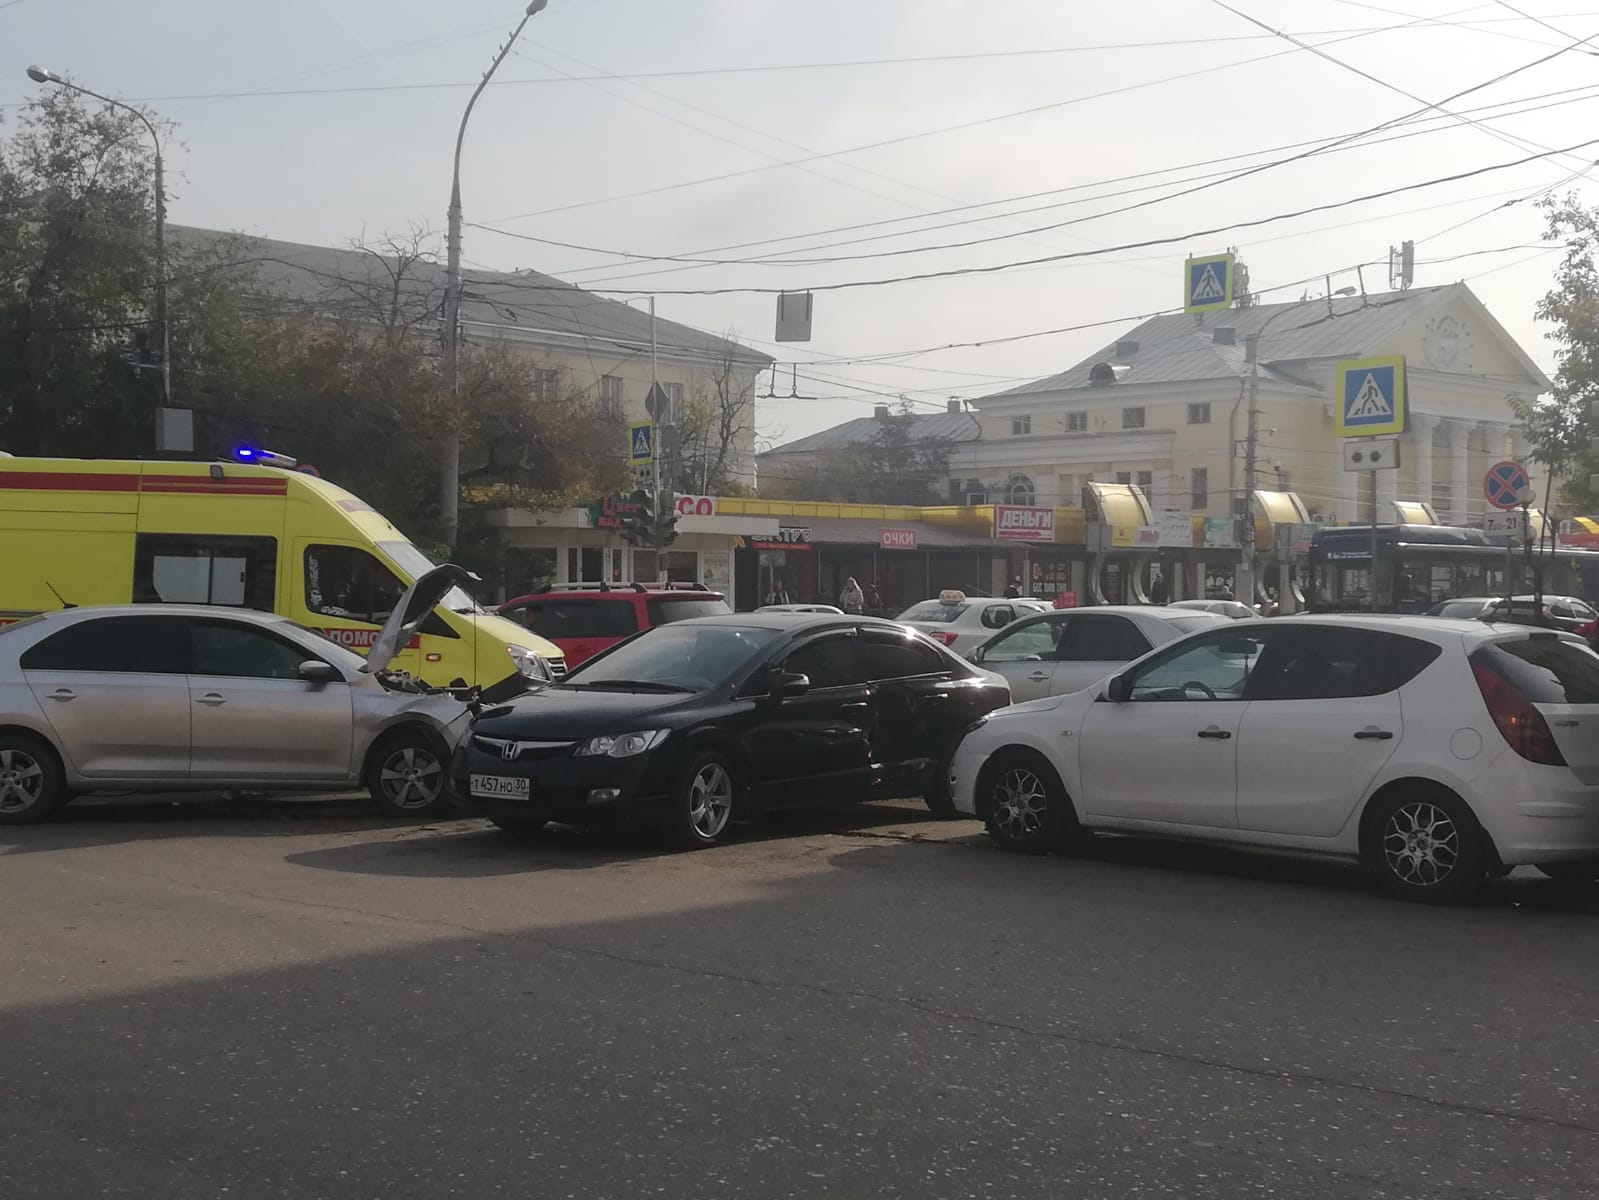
<point x="421" y="598"/>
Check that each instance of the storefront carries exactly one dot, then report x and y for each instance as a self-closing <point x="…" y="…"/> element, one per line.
<point x="905" y="561"/>
<point x="547" y="549"/>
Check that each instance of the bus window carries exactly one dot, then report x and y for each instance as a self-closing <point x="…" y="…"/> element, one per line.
<point x="182" y="568"/>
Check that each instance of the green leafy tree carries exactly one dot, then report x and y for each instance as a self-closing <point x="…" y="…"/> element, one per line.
<point x="77" y="279"/>
<point x="1559" y="429"/>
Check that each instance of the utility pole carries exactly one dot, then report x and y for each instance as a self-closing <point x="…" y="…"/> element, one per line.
<point x="450" y="472"/>
<point x="1246" y="565"/>
<point x="657" y="534"/>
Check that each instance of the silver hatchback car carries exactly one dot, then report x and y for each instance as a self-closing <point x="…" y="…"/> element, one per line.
<point x="144" y="697"/>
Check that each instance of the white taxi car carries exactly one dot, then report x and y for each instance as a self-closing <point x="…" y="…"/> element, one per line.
<point x="964" y="622"/>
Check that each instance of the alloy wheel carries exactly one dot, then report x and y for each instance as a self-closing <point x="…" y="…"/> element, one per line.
<point x="411" y="778"/>
<point x="21" y="781"/>
<point x="710" y="800"/>
<point x="1021" y="804"/>
<point x="1421" y="844"/>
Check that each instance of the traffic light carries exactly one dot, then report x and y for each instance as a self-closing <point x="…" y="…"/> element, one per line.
<point x="638" y="518"/>
<point x="666" y="529"/>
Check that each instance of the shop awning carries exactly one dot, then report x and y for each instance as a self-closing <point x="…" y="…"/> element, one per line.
<point x="847" y="531"/>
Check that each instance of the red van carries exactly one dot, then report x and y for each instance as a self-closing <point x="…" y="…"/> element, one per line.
<point x="585" y="618"/>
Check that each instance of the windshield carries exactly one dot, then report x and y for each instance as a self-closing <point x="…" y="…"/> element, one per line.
<point x="1191" y="624"/>
<point x="663" y="611"/>
<point x="687" y="657"/>
<point x="934" y="611"/>
<point x="416" y="564"/>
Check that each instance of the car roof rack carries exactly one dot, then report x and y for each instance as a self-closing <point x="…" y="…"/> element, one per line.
<point x="604" y="586"/>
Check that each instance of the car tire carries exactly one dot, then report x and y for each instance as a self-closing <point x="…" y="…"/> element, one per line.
<point x="522" y="827"/>
<point x="1024" y="804"/>
<point x="1424" y="845"/>
<point x="408" y="773"/>
<point x="702" y="801"/>
<point x="32" y="787"/>
<point x="1579" y="870"/>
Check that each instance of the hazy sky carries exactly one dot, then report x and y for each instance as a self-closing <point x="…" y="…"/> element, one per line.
<point x="316" y="121"/>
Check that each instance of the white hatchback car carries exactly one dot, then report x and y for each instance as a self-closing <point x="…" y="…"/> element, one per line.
<point x="963" y="622"/>
<point x="1435" y="752"/>
<point x="1049" y="654"/>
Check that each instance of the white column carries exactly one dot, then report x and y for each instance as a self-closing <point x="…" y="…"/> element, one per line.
<point x="1459" y="461"/>
<point x="1421" y="430"/>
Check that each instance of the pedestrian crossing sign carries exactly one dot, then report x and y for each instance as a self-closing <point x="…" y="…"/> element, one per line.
<point x="640" y="443"/>
<point x="1209" y="284"/>
<point x="1371" y="396"/>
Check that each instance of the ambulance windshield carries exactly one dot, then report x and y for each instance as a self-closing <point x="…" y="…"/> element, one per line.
<point x="416" y="564"/>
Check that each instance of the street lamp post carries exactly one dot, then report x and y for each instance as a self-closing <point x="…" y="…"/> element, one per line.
<point x="450" y="476"/>
<point x="40" y="75"/>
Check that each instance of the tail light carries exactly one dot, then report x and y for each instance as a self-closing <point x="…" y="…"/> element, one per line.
<point x="1521" y="724"/>
<point x="943" y="638"/>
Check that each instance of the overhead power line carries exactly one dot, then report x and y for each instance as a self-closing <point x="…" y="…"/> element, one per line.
<point x="691" y="261"/>
<point x="992" y="268"/>
<point x="973" y="123"/>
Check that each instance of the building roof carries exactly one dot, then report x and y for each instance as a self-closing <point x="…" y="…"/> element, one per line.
<point x="943" y="426"/>
<point x="524" y="304"/>
<point x="1178" y="348"/>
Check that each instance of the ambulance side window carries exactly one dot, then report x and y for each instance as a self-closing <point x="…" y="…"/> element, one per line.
<point x="198" y="568"/>
<point x="346" y="581"/>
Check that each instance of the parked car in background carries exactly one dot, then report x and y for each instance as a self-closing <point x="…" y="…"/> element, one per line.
<point x="1559" y="612"/>
<point x="963" y="622"/>
<point x="689" y="725"/>
<point x="187" y="697"/>
<point x="1236" y="609"/>
<point x="585" y="618"/>
<point x="801" y="608"/>
<point x="1435" y="752"/>
<point x="1069" y="649"/>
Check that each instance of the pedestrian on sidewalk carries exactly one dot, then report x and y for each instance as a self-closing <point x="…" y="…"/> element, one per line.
<point x="852" y="600"/>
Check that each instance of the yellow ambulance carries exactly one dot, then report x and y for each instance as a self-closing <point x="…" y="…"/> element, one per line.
<point x="97" y="531"/>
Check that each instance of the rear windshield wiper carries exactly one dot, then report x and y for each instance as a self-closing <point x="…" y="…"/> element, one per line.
<point x="639" y="685"/>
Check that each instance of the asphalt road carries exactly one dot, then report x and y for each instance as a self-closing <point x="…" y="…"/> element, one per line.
<point x="300" y="1001"/>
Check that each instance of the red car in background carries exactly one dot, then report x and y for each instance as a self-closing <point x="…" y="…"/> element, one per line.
<point x="585" y="618"/>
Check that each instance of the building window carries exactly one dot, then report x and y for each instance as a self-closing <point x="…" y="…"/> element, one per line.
<point x="611" y="396"/>
<point x="1125" y="478"/>
<point x="1146" y="481"/>
<point x="1019" y="490"/>
<point x="1132" y="418"/>
<point x="1076" y="422"/>
<point x="1199" y="488"/>
<point x="955" y="492"/>
<point x="1069" y="494"/>
<point x="1020" y="426"/>
<point x="1199" y="414"/>
<point x="547" y="385"/>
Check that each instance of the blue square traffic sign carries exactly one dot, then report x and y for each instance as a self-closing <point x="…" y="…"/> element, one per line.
<point x="1371" y="396"/>
<point x="1208" y="284"/>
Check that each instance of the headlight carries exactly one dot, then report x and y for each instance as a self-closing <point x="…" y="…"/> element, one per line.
<point x="528" y="664"/>
<point x="624" y="745"/>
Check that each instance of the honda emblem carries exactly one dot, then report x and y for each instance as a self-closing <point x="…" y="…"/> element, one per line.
<point x="508" y="751"/>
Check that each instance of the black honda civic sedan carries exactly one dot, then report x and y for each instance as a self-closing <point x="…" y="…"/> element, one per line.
<point x="691" y="724"/>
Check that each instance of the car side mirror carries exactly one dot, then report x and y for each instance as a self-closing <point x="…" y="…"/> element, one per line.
<point x="315" y="671"/>
<point x="1119" y="690"/>
<point x="786" y="685"/>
